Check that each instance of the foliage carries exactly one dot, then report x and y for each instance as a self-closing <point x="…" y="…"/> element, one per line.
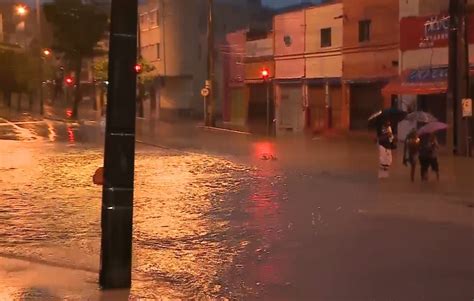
<point x="101" y="69"/>
<point x="19" y="72"/>
<point x="77" y="27"/>
<point x="145" y="77"/>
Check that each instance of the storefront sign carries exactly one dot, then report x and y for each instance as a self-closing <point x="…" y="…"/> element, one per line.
<point x="437" y="28"/>
<point x="428" y="75"/>
<point x="467" y="107"/>
<point x="429" y="32"/>
<point x="259" y="48"/>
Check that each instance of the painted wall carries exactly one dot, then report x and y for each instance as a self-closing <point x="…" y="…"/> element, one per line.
<point x="289" y="31"/>
<point x="322" y="62"/>
<point x="375" y="58"/>
<point x="289" y="68"/>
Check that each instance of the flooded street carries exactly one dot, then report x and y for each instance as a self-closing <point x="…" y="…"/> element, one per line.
<point x="209" y="226"/>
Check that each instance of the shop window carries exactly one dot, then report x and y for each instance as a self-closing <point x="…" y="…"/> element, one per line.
<point x="364" y="30"/>
<point x="326" y="37"/>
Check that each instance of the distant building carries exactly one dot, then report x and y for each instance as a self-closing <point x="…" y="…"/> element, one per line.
<point x="173" y="39"/>
<point x="370" y="55"/>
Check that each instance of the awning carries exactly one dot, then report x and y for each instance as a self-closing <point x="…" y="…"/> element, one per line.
<point x="419" y="82"/>
<point x="399" y="87"/>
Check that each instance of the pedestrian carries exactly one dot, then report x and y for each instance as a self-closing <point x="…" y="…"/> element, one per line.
<point x="386" y="142"/>
<point x="410" y="152"/>
<point x="428" y="155"/>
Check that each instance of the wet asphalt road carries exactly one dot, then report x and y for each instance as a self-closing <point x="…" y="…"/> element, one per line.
<point x="210" y="225"/>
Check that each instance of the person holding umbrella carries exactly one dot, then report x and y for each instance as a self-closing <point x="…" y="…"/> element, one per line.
<point x="429" y="148"/>
<point x="410" y="153"/>
<point x="383" y="120"/>
<point x="386" y="141"/>
<point x="429" y="155"/>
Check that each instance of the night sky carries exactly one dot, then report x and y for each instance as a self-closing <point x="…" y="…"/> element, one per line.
<point x="271" y="3"/>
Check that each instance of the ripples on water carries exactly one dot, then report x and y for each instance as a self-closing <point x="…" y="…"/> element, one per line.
<point x="188" y="214"/>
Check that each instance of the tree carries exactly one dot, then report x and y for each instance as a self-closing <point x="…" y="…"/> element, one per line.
<point x="100" y="70"/>
<point x="145" y="80"/>
<point x="145" y="84"/>
<point x="17" y="73"/>
<point x="77" y="28"/>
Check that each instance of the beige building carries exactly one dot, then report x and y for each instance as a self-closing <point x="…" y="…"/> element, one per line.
<point x="323" y="56"/>
<point x="173" y="39"/>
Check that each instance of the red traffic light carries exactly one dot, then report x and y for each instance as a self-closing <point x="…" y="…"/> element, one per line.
<point x="69" y="80"/>
<point x="265" y="73"/>
<point x="138" y="68"/>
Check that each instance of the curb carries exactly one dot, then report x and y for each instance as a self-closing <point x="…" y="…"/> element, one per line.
<point x="217" y="129"/>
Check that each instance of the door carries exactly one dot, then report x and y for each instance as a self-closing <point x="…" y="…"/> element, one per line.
<point x="366" y="99"/>
<point x="291" y="114"/>
<point x="317" y="107"/>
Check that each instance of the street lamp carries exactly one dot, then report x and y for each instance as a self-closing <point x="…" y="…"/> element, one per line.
<point x="21" y="10"/>
<point x="46" y="52"/>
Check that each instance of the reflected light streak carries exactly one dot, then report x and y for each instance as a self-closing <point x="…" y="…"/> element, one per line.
<point x="70" y="134"/>
<point x="51" y="133"/>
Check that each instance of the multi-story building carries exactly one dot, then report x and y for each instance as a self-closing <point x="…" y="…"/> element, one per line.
<point x="323" y="68"/>
<point x="424" y="54"/>
<point x="173" y="39"/>
<point x="371" y="39"/>
<point x="289" y="41"/>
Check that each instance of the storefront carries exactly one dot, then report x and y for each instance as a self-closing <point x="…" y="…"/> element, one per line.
<point x="366" y="98"/>
<point x="290" y="107"/>
<point x="422" y="89"/>
<point x="325" y="104"/>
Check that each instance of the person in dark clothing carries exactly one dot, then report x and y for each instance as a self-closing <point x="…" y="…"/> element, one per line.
<point x="410" y="153"/>
<point x="429" y="155"/>
<point x="386" y="142"/>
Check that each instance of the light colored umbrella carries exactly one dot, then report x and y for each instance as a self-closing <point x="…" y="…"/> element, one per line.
<point x="420" y="116"/>
<point x="432" y="127"/>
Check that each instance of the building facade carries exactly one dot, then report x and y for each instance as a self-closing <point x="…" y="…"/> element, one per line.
<point x="323" y="68"/>
<point x="289" y="43"/>
<point x="173" y="38"/>
<point x="371" y="38"/>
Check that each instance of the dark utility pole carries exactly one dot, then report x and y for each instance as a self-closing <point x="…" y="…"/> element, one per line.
<point x="40" y="56"/>
<point x="458" y="83"/>
<point x="117" y="197"/>
<point x="210" y="100"/>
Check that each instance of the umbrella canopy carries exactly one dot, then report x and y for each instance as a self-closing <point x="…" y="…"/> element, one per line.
<point x="421" y="116"/>
<point x="432" y="127"/>
<point x="393" y="115"/>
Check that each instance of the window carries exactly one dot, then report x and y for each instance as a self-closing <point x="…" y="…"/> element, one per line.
<point x="364" y="30"/>
<point x="154" y="18"/>
<point x="158" y="51"/>
<point x="326" y="37"/>
<point x="143" y="19"/>
<point x="143" y="22"/>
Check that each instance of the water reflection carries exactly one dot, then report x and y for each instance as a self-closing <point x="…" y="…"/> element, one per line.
<point x="183" y="240"/>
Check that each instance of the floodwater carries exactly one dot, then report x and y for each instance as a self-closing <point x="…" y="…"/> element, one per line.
<point x="210" y="227"/>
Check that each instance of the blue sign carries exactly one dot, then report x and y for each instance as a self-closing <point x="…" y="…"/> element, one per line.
<point x="428" y="75"/>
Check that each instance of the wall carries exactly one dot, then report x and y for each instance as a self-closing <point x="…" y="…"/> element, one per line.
<point x="376" y="58"/>
<point x="289" y="31"/>
<point x="324" y="62"/>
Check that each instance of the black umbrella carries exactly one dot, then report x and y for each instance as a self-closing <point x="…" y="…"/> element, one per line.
<point x="392" y="114"/>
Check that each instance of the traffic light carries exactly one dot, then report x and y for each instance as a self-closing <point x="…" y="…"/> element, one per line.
<point x="138" y="68"/>
<point x="69" y="81"/>
<point x="264" y="73"/>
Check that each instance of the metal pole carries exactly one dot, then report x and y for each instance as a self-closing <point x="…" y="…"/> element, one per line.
<point x="210" y="121"/>
<point x="40" y="60"/>
<point x="463" y="128"/>
<point x="268" y="107"/>
<point x="453" y="94"/>
<point x="119" y="157"/>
